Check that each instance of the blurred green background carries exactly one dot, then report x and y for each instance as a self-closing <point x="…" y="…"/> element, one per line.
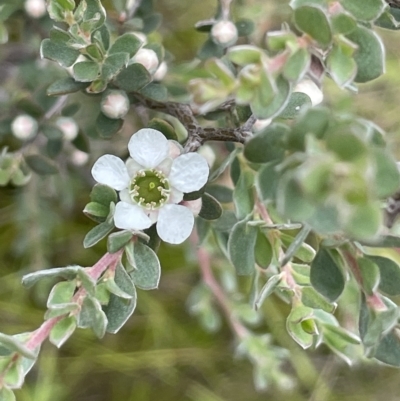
<point x="162" y="353"/>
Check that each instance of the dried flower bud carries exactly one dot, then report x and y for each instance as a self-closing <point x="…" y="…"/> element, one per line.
<point x="224" y="33"/>
<point x="311" y="89"/>
<point x="24" y="127"/>
<point x="35" y="8"/>
<point x="115" y="104"/>
<point x="148" y="58"/>
<point x="161" y="72"/>
<point x="69" y="127"/>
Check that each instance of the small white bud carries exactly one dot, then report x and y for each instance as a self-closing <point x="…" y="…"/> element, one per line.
<point x="311" y="89"/>
<point x="161" y="72"/>
<point x="79" y="158"/>
<point x="24" y="127"/>
<point x="115" y="104"/>
<point x="259" y="125"/>
<point x="35" y="8"/>
<point x="69" y="127"/>
<point x="148" y="58"/>
<point x="208" y="153"/>
<point x="224" y="33"/>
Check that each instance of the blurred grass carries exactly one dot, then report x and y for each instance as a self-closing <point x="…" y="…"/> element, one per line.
<point x="162" y="353"/>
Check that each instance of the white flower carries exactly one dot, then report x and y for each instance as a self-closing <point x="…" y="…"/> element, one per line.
<point x="152" y="184"/>
<point x="69" y="128"/>
<point x="35" y="8"/>
<point x="24" y="127"/>
<point x="224" y="33"/>
<point x="311" y="89"/>
<point x="115" y="104"/>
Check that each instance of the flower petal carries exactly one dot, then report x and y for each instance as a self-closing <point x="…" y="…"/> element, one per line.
<point x="189" y="172"/>
<point x="175" y="223"/>
<point x="133" y="167"/>
<point x="176" y="196"/>
<point x="125" y="197"/>
<point x="110" y="170"/>
<point x="165" y="166"/>
<point x="194" y="206"/>
<point x="130" y="217"/>
<point x="148" y="147"/>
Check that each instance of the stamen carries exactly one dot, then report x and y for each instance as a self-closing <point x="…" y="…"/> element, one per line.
<point x="149" y="189"/>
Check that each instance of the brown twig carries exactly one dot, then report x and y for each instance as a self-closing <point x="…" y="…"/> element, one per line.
<point x="197" y="135"/>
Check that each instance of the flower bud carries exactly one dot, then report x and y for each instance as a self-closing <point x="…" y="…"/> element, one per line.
<point x="79" y="158"/>
<point x="311" y="89"/>
<point x="148" y="58"/>
<point x="35" y="8"/>
<point x="259" y="125"/>
<point x="224" y="33"/>
<point x="115" y="104"/>
<point x="161" y="72"/>
<point x="24" y="127"/>
<point x="69" y="127"/>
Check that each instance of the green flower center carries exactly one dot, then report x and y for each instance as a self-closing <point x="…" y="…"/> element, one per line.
<point x="149" y="189"/>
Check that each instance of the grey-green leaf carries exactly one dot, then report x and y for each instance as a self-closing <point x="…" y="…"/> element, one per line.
<point x="326" y="276"/>
<point x="147" y="271"/>
<point x="241" y="245"/>
<point x="107" y="127"/>
<point x="268" y="145"/>
<point x="210" y="208"/>
<point x="41" y="165"/>
<point x="389" y="274"/>
<point x="97" y="233"/>
<point x="370" y="55"/>
<point x="64" y="86"/>
<point x="133" y="78"/>
<point x="63" y="329"/>
<point x="118" y="309"/>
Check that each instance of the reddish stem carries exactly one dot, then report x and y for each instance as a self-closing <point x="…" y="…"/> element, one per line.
<point x="219" y="294"/>
<point x="374" y="300"/>
<point x="40" y="334"/>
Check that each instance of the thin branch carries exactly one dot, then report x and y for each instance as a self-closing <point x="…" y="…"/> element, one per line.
<point x="225" y="8"/>
<point x="197" y="135"/>
<point x="209" y="279"/>
<point x="374" y="300"/>
<point x="41" y="334"/>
